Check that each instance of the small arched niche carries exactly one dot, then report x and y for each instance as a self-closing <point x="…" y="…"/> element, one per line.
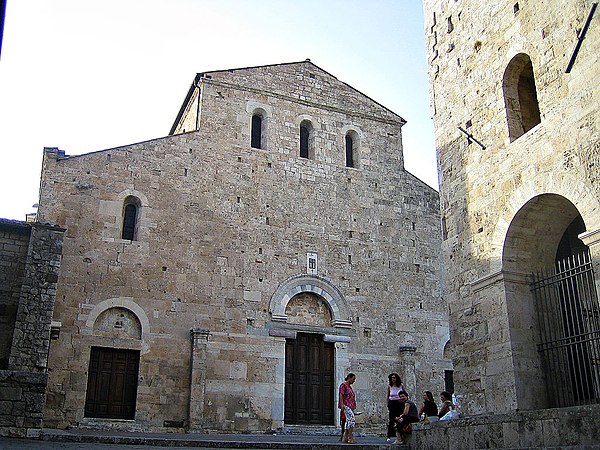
<point x="308" y="309"/>
<point x="118" y="323"/>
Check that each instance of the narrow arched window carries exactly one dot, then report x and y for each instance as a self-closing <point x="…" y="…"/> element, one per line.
<point x="304" y="135"/>
<point x="349" y="151"/>
<point x="130" y="218"/>
<point x="520" y="97"/>
<point x="306" y="138"/>
<point x="256" y="133"/>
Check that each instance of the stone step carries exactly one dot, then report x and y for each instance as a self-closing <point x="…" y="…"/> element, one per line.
<point x="292" y="440"/>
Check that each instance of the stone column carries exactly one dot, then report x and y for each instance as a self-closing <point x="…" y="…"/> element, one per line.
<point x="342" y="367"/>
<point x="278" y="389"/>
<point x="409" y="375"/>
<point x="199" y="341"/>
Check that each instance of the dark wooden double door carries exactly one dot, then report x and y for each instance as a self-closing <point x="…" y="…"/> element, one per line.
<point x="309" y="380"/>
<point x="112" y="383"/>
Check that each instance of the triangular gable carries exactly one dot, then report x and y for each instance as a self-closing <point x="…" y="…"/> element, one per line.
<point x="320" y="88"/>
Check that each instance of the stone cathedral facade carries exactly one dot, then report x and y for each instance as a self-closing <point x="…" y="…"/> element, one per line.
<point x="514" y="96"/>
<point x="228" y="276"/>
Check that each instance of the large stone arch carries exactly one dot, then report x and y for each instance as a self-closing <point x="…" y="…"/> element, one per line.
<point x="316" y="285"/>
<point x="573" y="189"/>
<point x="530" y="245"/>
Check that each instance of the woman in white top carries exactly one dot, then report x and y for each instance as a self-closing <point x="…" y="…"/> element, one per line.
<point x="395" y="406"/>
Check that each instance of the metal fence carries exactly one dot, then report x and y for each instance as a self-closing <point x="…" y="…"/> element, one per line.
<point x="569" y="323"/>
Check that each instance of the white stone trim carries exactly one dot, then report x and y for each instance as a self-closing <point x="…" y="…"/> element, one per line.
<point x="302" y="117"/>
<point x="340" y="316"/>
<point x="590" y="238"/>
<point x="253" y="106"/>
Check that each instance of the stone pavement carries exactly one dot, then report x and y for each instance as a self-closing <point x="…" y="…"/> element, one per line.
<point x="200" y="440"/>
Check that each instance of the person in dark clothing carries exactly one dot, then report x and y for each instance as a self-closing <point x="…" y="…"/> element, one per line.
<point x="410" y="414"/>
<point x="393" y="403"/>
<point x="429" y="407"/>
<point x="447" y="404"/>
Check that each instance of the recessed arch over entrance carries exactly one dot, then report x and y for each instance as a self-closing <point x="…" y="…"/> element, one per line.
<point x="340" y="316"/>
<point x="535" y="231"/>
<point x="118" y="330"/>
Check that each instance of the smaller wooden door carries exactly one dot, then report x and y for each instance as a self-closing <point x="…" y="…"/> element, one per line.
<point x="112" y="383"/>
<point x="309" y="380"/>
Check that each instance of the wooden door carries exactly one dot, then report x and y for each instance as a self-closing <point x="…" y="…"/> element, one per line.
<point x="309" y="380"/>
<point x="112" y="383"/>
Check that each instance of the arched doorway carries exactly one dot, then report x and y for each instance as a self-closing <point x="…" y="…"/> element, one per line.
<point x="312" y="315"/>
<point x="309" y="363"/>
<point x="553" y="315"/>
<point x="112" y="380"/>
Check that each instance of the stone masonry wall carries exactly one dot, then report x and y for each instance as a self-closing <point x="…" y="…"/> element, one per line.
<point x="550" y="428"/>
<point x="221" y="227"/>
<point x="31" y="338"/>
<point x="505" y="205"/>
<point x="32" y="271"/>
<point x="14" y="241"/>
<point x="22" y="399"/>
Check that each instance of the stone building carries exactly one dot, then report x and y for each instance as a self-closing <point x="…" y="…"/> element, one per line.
<point x="229" y="275"/>
<point x="30" y="256"/>
<point x="515" y="109"/>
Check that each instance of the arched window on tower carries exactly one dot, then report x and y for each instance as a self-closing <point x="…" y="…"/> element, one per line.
<point x="131" y="208"/>
<point x="257" y="131"/>
<point x="306" y="140"/>
<point x="520" y="96"/>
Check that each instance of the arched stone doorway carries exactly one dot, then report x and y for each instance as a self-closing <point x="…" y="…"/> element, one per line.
<point x="118" y="329"/>
<point x="312" y="315"/>
<point x="542" y="234"/>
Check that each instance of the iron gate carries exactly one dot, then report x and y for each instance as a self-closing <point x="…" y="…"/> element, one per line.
<point x="569" y="323"/>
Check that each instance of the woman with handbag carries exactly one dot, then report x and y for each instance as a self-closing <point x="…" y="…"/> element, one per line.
<point x="347" y="403"/>
<point x="410" y="414"/>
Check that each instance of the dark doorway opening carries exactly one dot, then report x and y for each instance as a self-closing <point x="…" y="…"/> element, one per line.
<point x="309" y="380"/>
<point x="112" y="383"/>
<point x="449" y="381"/>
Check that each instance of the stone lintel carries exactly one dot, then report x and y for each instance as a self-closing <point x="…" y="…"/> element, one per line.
<point x="282" y="332"/>
<point x="336" y="338"/>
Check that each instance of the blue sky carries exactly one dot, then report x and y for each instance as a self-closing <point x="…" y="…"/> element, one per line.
<point x="84" y="75"/>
